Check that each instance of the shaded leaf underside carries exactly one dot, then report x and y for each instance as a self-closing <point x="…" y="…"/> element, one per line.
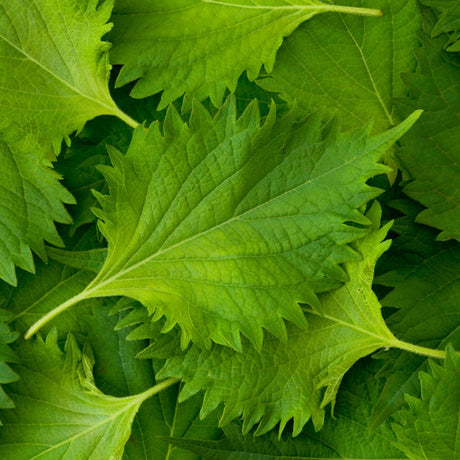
<point x="448" y="21"/>
<point x="426" y="295"/>
<point x="7" y="355"/>
<point x="430" y="427"/>
<point x="430" y="151"/>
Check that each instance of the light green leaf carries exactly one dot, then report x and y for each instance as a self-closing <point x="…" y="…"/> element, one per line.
<point x="298" y="377"/>
<point x="430" y="152"/>
<point x="51" y="284"/>
<point x="59" y="411"/>
<point x="350" y="65"/>
<point x="117" y="371"/>
<point x="200" y="48"/>
<point x="345" y="436"/>
<point x="430" y="427"/>
<point x="54" y="68"/>
<point x="31" y="199"/>
<point x="285" y="195"/>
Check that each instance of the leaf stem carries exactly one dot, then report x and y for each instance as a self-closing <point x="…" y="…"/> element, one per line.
<point x="53" y="313"/>
<point x="315" y="8"/>
<point x="353" y="10"/>
<point x="430" y="352"/>
<point x="126" y="118"/>
<point x="157" y="388"/>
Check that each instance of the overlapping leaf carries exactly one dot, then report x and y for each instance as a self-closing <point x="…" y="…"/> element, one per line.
<point x="344" y="436"/>
<point x="430" y="428"/>
<point x="298" y="377"/>
<point x="201" y="48"/>
<point x="426" y="295"/>
<point x="54" y="76"/>
<point x="59" y="411"/>
<point x="31" y="198"/>
<point x="7" y="375"/>
<point x="448" y="21"/>
<point x="350" y="65"/>
<point x="430" y="152"/>
<point x="285" y="195"/>
<point x="78" y="164"/>
<point x="54" y="68"/>
<point x="117" y="372"/>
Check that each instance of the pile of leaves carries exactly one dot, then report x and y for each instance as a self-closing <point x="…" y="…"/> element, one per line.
<point x="229" y="229"/>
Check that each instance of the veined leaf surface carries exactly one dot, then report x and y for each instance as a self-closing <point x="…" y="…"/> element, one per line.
<point x="59" y="411"/>
<point x="31" y="199"/>
<point x="343" y="437"/>
<point x="299" y="377"/>
<point x="350" y="65"/>
<point x="200" y="48"/>
<point x="54" y="70"/>
<point x="277" y="236"/>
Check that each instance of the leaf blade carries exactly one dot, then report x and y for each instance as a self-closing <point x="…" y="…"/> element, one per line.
<point x="54" y="69"/>
<point x="349" y="65"/>
<point x="192" y="252"/>
<point x="59" y="411"/>
<point x="202" y="48"/>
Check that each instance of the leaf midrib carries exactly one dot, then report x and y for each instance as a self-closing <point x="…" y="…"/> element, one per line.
<point x="370" y="75"/>
<point x="97" y="284"/>
<point x="105" y="421"/>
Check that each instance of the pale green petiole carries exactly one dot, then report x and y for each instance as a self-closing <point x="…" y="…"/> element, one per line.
<point x="157" y="389"/>
<point x="126" y="118"/>
<point x="88" y="293"/>
<point x="352" y="10"/>
<point x="55" y="312"/>
<point x="430" y="352"/>
<point x="314" y="7"/>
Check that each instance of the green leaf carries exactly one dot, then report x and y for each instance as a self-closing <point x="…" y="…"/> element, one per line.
<point x="430" y="152"/>
<point x="345" y="436"/>
<point x="430" y="427"/>
<point x="78" y="164"/>
<point x="298" y="377"/>
<point x="78" y="168"/>
<point x="448" y="21"/>
<point x="59" y="410"/>
<point x="285" y="195"/>
<point x="7" y="375"/>
<point x="426" y="295"/>
<point x="201" y="48"/>
<point x="117" y="371"/>
<point x="54" y="68"/>
<point x="31" y="199"/>
<point x="350" y="65"/>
